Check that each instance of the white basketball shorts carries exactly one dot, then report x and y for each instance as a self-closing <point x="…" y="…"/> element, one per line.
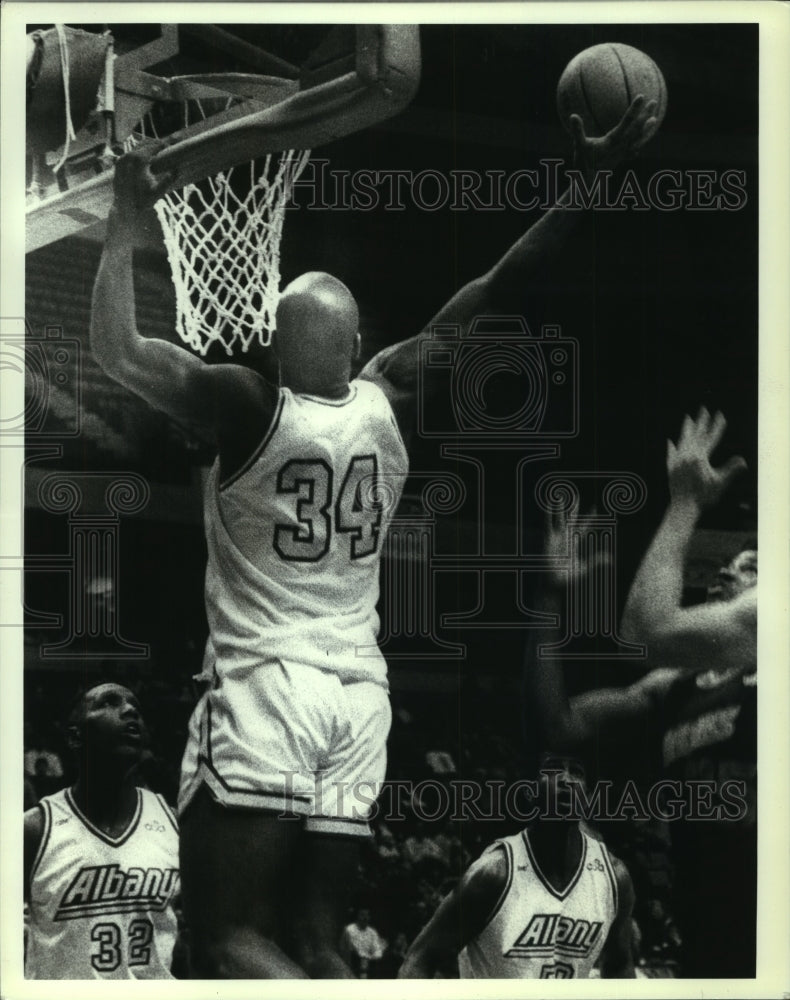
<point x="290" y="739"/>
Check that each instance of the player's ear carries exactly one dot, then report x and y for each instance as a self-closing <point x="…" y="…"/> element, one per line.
<point x="357" y="348"/>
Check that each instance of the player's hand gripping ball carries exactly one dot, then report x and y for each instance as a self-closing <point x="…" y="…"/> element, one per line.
<point x="600" y="84"/>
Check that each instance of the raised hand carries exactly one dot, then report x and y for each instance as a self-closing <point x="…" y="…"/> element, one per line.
<point x="637" y="126"/>
<point x="136" y="187"/>
<point x="556" y="545"/>
<point x="691" y="475"/>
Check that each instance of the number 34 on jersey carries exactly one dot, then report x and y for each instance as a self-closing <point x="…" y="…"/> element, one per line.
<point x="320" y="510"/>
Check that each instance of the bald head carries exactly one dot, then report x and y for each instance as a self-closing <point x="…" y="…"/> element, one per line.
<point x="317" y="331"/>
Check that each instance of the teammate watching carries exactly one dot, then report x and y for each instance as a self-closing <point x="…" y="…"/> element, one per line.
<point x="101" y="857"/>
<point x="546" y="903"/>
<point x="295" y="523"/>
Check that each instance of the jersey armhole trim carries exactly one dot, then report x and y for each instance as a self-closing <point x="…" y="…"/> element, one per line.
<point x="167" y="811"/>
<point x="505" y="890"/>
<point x="275" y="421"/>
<point x="390" y="409"/>
<point x="46" y="810"/>
<point x="397" y="429"/>
<point x="612" y="878"/>
<point x="325" y="401"/>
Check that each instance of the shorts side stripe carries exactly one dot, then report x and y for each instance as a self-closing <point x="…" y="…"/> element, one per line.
<point x="266" y="801"/>
<point x="337" y="826"/>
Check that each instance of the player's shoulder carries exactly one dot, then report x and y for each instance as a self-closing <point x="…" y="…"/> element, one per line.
<point x="484" y="887"/>
<point x="35" y="822"/>
<point x="395" y="400"/>
<point x="234" y="387"/>
<point x="369" y="387"/>
<point x="48" y="807"/>
<point x="379" y="402"/>
<point x="490" y="873"/>
<point x="37" y="827"/>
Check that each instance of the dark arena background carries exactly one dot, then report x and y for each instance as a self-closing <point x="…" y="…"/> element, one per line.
<point x="662" y="301"/>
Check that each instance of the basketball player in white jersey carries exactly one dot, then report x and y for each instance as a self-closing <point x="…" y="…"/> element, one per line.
<point x="101" y="857"/>
<point x="547" y="903"/>
<point x="296" y="715"/>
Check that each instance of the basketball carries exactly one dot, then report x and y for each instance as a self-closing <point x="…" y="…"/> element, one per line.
<point x="600" y="83"/>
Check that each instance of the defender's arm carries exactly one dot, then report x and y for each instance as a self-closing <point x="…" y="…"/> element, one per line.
<point x="724" y="632"/>
<point x="460" y="917"/>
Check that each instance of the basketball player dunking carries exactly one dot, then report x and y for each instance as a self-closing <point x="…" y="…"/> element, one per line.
<point x="292" y="717"/>
<point x="101" y="857"/>
<point x="546" y="903"/>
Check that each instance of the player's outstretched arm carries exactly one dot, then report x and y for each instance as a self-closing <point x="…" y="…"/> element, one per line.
<point x="617" y="958"/>
<point x="604" y="709"/>
<point x="460" y="917"/>
<point x="501" y="289"/>
<point x="549" y="720"/>
<point x="170" y="378"/>
<point x="721" y="632"/>
<point x="556" y="720"/>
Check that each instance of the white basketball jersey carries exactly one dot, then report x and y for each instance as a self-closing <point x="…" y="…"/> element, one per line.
<point x="295" y="538"/>
<point x="537" y="932"/>
<point x="101" y="908"/>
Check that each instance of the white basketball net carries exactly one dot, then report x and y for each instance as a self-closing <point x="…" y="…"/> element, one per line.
<point x="224" y="252"/>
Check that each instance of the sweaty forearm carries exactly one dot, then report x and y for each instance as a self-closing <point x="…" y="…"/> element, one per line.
<point x="601" y="709"/>
<point x="657" y="590"/>
<point x="548" y="713"/>
<point x="539" y="245"/>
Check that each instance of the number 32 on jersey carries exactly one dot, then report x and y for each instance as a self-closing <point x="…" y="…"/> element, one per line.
<point x="355" y="512"/>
